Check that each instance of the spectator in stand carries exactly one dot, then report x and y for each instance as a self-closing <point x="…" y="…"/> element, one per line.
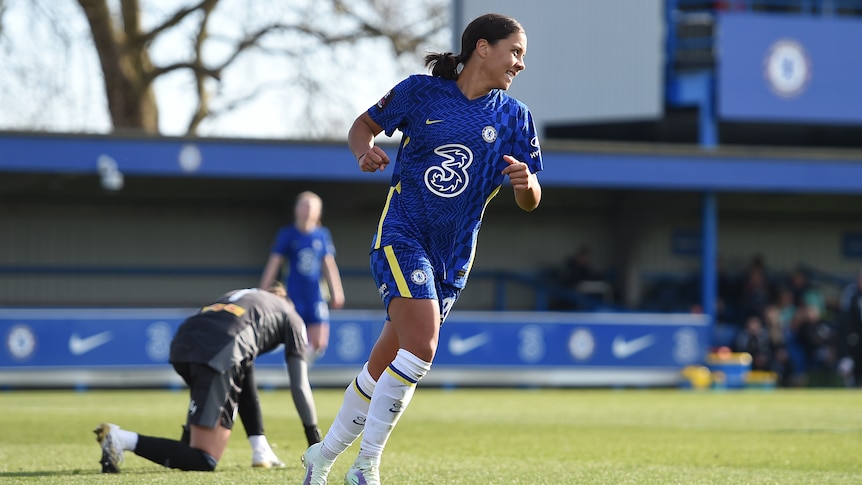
<point x="850" y="334"/>
<point x="578" y="275"/>
<point x="578" y="268"/>
<point x="729" y="293"/>
<point x="755" y="294"/>
<point x="786" y="309"/>
<point x="804" y="293"/>
<point x="781" y="363"/>
<point x="817" y="341"/>
<point x="754" y="339"/>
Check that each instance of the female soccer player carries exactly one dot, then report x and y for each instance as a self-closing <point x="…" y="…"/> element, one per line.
<point x="213" y="351"/>
<point x="307" y="247"/>
<point x="462" y="137"/>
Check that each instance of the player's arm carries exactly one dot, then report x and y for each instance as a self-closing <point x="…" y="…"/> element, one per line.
<point x="333" y="278"/>
<point x="303" y="399"/>
<point x="270" y="271"/>
<point x="528" y="192"/>
<point x="295" y="346"/>
<point x="360" y="140"/>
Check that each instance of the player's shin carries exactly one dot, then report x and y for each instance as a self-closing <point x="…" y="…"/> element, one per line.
<point x="350" y="420"/>
<point x="393" y="393"/>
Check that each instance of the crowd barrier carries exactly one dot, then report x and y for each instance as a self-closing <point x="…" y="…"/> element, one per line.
<point x="84" y="348"/>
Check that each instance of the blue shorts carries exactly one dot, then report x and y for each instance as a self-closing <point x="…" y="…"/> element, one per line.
<point x="406" y="272"/>
<point x="312" y="312"/>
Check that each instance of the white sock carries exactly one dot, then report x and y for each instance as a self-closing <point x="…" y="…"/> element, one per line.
<point x="394" y="390"/>
<point x="259" y="443"/>
<point x="128" y="439"/>
<point x="350" y="420"/>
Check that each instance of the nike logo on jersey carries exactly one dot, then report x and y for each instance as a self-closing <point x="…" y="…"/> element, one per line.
<point x="429" y="121"/>
<point x="623" y="348"/>
<point x="460" y="346"/>
<point x="80" y="346"/>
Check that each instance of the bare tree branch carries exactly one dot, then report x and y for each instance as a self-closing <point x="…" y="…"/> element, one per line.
<point x="177" y="18"/>
<point x="290" y="37"/>
<point x="202" y="109"/>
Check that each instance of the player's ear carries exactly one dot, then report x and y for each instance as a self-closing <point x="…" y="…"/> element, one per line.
<point x="482" y="47"/>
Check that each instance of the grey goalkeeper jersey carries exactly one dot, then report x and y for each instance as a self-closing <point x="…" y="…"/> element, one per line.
<point x="236" y="328"/>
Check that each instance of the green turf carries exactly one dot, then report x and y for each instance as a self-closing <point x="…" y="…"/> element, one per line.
<point x="477" y="437"/>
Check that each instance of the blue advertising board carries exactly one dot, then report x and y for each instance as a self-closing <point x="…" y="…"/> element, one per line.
<point x="476" y="348"/>
<point x="789" y="68"/>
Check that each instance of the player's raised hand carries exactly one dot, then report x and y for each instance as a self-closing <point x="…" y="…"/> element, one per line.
<point x="374" y="159"/>
<point x="518" y="172"/>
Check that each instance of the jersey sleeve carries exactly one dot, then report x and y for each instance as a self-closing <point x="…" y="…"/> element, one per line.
<point x="527" y="147"/>
<point x="281" y="242"/>
<point x="392" y="109"/>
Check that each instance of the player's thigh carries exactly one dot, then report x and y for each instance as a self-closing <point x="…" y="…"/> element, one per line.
<point x="212" y="407"/>
<point x="417" y="324"/>
<point x="318" y="335"/>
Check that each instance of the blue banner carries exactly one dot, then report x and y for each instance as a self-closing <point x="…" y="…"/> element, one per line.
<point x="139" y="339"/>
<point x="789" y="68"/>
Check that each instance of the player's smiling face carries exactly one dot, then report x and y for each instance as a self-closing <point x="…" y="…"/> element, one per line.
<point x="506" y="59"/>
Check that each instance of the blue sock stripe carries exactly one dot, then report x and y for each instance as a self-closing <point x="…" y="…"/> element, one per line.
<point x="360" y="391"/>
<point x="401" y="376"/>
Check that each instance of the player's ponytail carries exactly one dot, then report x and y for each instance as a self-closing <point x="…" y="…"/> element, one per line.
<point x="443" y="65"/>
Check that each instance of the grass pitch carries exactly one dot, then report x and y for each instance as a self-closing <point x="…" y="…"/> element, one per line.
<point x="481" y="437"/>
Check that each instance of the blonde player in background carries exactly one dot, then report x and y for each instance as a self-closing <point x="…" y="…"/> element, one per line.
<point x="306" y="246"/>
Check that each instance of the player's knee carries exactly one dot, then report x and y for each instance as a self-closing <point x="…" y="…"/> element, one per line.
<point x="211" y="462"/>
<point x="312" y="354"/>
<point x="206" y="463"/>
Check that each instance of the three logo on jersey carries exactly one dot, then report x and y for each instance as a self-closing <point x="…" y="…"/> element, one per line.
<point x="450" y="178"/>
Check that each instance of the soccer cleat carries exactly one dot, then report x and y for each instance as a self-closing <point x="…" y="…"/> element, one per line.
<point x="112" y="451"/>
<point x="266" y="460"/>
<point x="365" y="471"/>
<point x="316" y="466"/>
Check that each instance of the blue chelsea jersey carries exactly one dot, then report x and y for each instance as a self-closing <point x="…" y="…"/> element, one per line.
<point x="304" y="253"/>
<point x="448" y="167"/>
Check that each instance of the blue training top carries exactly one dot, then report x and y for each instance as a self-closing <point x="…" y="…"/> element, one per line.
<point x="448" y="167"/>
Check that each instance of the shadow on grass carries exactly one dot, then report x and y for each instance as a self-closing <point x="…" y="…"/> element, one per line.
<point x="60" y="473"/>
<point x="24" y="474"/>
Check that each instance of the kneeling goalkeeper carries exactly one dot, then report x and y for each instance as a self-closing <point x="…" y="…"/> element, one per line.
<point x="214" y="351"/>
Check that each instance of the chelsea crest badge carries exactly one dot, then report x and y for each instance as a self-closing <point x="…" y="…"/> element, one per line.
<point x="787" y="68"/>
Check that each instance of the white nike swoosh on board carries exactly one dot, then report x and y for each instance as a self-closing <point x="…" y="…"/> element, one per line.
<point x="460" y="346"/>
<point x="622" y="348"/>
<point x="79" y="346"/>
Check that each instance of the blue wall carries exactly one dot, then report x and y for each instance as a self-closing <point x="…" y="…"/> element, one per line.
<point x="650" y="169"/>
